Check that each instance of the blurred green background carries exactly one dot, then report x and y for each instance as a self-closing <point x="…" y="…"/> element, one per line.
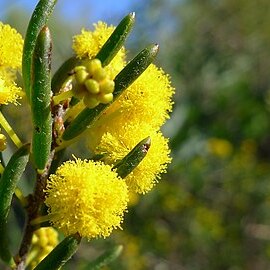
<point x="212" y="209"/>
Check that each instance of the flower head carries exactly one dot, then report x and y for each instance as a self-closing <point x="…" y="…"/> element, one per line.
<point x="119" y="142"/>
<point x="11" y="47"/>
<point x="147" y="100"/>
<point x="10" y="59"/>
<point x="86" y="197"/>
<point x="9" y="91"/>
<point x="89" y="43"/>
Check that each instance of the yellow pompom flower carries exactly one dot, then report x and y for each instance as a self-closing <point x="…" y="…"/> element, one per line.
<point x="89" y="43"/>
<point x="9" y="91"/>
<point x="10" y="59"/>
<point x="120" y="141"/>
<point x="11" y="47"/>
<point x="86" y="197"/>
<point x="147" y="100"/>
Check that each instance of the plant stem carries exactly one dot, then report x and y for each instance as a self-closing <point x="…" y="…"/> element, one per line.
<point x="4" y="123"/>
<point x="1" y="168"/>
<point x="35" y="202"/>
<point x="62" y="96"/>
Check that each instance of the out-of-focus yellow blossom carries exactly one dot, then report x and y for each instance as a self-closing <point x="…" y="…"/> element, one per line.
<point x="43" y="242"/>
<point x="219" y="147"/>
<point x="86" y="197"/>
<point x="89" y="43"/>
<point x="121" y="140"/>
<point x="207" y="221"/>
<point x="10" y="59"/>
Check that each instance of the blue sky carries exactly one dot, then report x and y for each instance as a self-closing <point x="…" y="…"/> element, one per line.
<point x="90" y="10"/>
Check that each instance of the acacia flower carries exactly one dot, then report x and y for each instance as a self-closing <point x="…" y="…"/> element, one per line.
<point x="117" y="143"/>
<point x="11" y="47"/>
<point x="9" y="92"/>
<point x="10" y="60"/>
<point x="86" y="197"/>
<point x="147" y="100"/>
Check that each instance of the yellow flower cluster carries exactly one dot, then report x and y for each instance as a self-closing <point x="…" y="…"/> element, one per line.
<point x="10" y="60"/>
<point x="43" y="242"/>
<point x="119" y="142"/>
<point x="86" y="197"/>
<point x="138" y="113"/>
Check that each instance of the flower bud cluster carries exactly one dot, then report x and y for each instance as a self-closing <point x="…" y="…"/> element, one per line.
<point x="43" y="242"/>
<point x="93" y="84"/>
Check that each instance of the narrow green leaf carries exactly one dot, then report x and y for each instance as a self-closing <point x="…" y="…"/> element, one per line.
<point x="116" y="40"/>
<point x="105" y="259"/>
<point x="8" y="183"/>
<point x="41" y="98"/>
<point x="63" y="73"/>
<point x="60" y="254"/>
<point x="38" y="20"/>
<point x="122" y="81"/>
<point x="133" y="158"/>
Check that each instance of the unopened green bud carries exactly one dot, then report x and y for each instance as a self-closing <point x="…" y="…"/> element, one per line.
<point x="99" y="74"/>
<point x="90" y="101"/>
<point x="80" y="74"/>
<point x="93" y="65"/>
<point x="106" y="86"/>
<point x="105" y="98"/>
<point x="92" y="86"/>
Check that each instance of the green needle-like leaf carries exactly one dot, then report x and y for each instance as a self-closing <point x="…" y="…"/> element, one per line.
<point x="41" y="97"/>
<point x="133" y="158"/>
<point x="122" y="81"/>
<point x="8" y="183"/>
<point x="105" y="259"/>
<point x="60" y="254"/>
<point x="116" y="40"/>
<point x="38" y="20"/>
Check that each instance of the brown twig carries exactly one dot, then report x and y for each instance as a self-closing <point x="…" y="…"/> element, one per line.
<point x="35" y="202"/>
